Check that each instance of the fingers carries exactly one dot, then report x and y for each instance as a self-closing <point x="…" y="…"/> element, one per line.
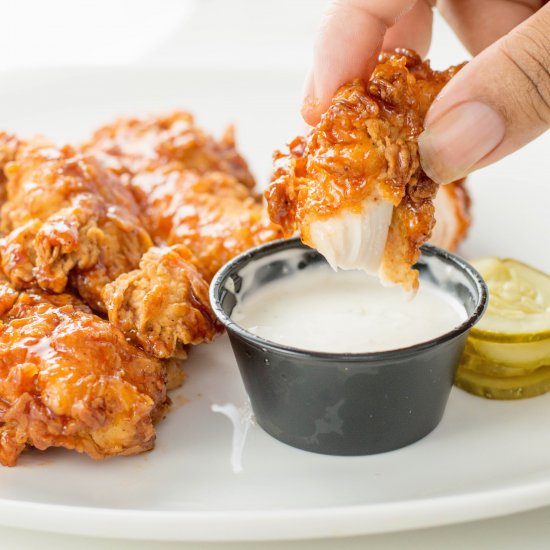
<point x="499" y="102"/>
<point x="413" y="30"/>
<point x="480" y="23"/>
<point x="347" y="47"/>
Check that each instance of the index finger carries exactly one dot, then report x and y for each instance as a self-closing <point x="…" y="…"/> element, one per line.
<point x="347" y="47"/>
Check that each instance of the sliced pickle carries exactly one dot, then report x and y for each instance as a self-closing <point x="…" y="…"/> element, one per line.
<point x="527" y="355"/>
<point x="507" y="355"/>
<point x="519" y="302"/>
<point x="511" y="387"/>
<point x="482" y="365"/>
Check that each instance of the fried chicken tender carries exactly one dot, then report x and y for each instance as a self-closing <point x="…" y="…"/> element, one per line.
<point x="134" y="145"/>
<point x="213" y="214"/>
<point x="216" y="231"/>
<point x="162" y="193"/>
<point x="9" y="145"/>
<point x="452" y="215"/>
<point x="191" y="189"/>
<point x="68" y="219"/>
<point x="86" y="221"/>
<point x="70" y="379"/>
<point x="163" y="305"/>
<point x="196" y="202"/>
<point x="199" y="222"/>
<point x="354" y="187"/>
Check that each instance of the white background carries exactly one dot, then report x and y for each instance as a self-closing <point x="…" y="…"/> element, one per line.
<point x="266" y="34"/>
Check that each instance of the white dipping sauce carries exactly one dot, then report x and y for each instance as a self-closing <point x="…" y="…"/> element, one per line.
<point x="319" y="309"/>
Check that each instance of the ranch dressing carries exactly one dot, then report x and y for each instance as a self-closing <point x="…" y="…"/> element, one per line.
<point x="319" y="309"/>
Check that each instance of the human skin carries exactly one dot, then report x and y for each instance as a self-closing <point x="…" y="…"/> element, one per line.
<point x="497" y="104"/>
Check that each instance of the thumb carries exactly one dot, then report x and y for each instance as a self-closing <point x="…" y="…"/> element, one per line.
<point x="498" y="103"/>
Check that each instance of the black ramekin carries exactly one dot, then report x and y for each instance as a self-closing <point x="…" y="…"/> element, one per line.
<point x="339" y="403"/>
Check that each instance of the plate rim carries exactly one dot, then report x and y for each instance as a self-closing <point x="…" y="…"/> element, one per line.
<point x="271" y="525"/>
<point x="255" y="525"/>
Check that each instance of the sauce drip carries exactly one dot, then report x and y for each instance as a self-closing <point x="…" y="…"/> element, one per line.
<point x="241" y="419"/>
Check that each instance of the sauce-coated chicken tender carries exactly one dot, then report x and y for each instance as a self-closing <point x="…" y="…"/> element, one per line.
<point x="163" y="305"/>
<point x="9" y="145"/>
<point x="452" y="215"/>
<point x="134" y="145"/>
<point x="213" y="214"/>
<point x="70" y="379"/>
<point x="162" y="194"/>
<point x="196" y="202"/>
<point x="354" y="187"/>
<point x="218" y="230"/>
<point x="68" y="219"/>
<point x="192" y="189"/>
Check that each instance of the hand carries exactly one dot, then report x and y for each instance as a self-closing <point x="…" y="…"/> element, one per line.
<point x="498" y="103"/>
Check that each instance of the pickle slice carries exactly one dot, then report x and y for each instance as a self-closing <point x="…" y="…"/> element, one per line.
<point x="507" y="355"/>
<point x="519" y="302"/>
<point x="527" y="355"/>
<point x="511" y="387"/>
<point x="471" y="360"/>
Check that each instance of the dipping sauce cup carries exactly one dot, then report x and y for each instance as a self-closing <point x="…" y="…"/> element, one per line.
<point x="345" y="403"/>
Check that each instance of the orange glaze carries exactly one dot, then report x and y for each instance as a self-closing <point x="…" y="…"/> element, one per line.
<point x="364" y="148"/>
<point x="213" y="214"/>
<point x="136" y="145"/>
<point x="84" y="222"/>
<point x="192" y="189"/>
<point x="162" y="306"/>
<point x="67" y="218"/>
<point x="69" y="379"/>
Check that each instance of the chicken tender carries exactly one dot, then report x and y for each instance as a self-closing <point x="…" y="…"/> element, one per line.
<point x="134" y="145"/>
<point x="192" y="189"/>
<point x="163" y="305"/>
<point x="196" y="202"/>
<point x="213" y="214"/>
<point x="68" y="219"/>
<point x="218" y="230"/>
<point x="70" y="379"/>
<point x="9" y="145"/>
<point x="354" y="187"/>
<point x="162" y="193"/>
<point x="452" y="215"/>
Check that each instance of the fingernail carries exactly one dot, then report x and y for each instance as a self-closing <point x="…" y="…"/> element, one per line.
<point x="310" y="102"/>
<point x="454" y="143"/>
<point x="309" y="108"/>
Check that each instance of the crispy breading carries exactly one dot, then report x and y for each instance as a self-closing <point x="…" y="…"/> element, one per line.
<point x="70" y="379"/>
<point x="9" y="144"/>
<point x="134" y="145"/>
<point x="361" y="162"/>
<point x="67" y="218"/>
<point x="452" y="215"/>
<point x="191" y="189"/>
<point x="162" y="306"/>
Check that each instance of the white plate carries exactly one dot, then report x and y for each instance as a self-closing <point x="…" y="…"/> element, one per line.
<point x="485" y="459"/>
